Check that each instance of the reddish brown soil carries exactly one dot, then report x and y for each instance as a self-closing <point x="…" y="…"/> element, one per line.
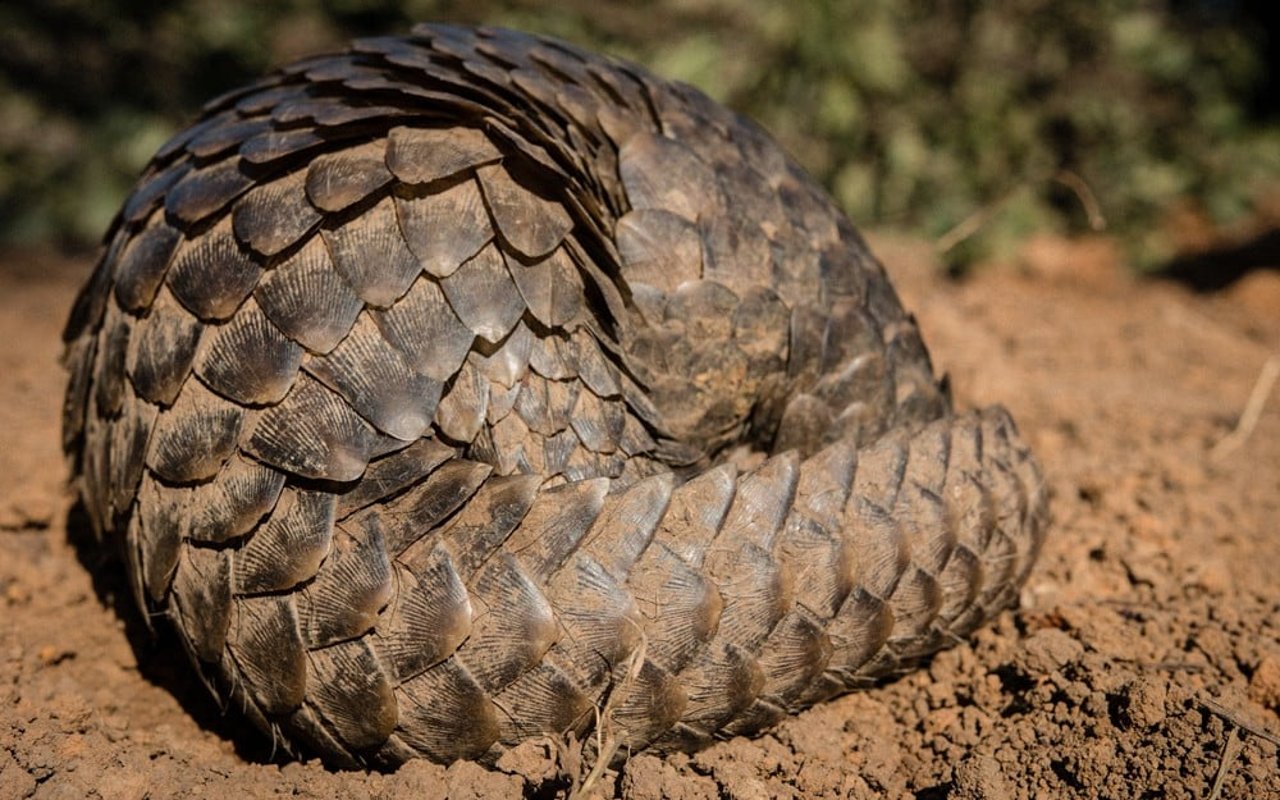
<point x="1145" y="661"/>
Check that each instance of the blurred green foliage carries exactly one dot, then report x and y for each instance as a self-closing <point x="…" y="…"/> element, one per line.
<point x="947" y="118"/>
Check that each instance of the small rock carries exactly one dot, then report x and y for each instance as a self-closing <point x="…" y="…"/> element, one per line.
<point x="16" y="594"/>
<point x="1212" y="575"/>
<point x="52" y="655"/>
<point x="468" y="780"/>
<point x="980" y="778"/>
<point x="1264" y="684"/>
<point x="30" y="512"/>
<point x="1146" y="697"/>
<point x="14" y="780"/>
<point x="534" y="760"/>
<point x="1217" y="647"/>
<point x="115" y="727"/>
<point x="642" y="778"/>
<point x="1050" y="649"/>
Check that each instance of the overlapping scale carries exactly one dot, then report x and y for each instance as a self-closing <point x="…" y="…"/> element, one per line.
<point x="514" y="624"/>
<point x="393" y="474"/>
<point x="377" y="381"/>
<point x="307" y="299"/>
<point x="533" y="225"/>
<point x="429" y="617"/>
<point x="659" y="248"/>
<point x="463" y="408"/>
<point x="423" y="155"/>
<point x="551" y="288"/>
<point x="203" y="191"/>
<point x="129" y="438"/>
<point x="112" y="348"/>
<point x="425" y="328"/>
<point x="195" y="436"/>
<point x="265" y="644"/>
<point x="353" y="585"/>
<point x="274" y="216"/>
<point x="371" y="254"/>
<point x="353" y="693"/>
<point x="162" y="350"/>
<point x="444" y="227"/>
<point x="232" y="503"/>
<point x="289" y="547"/>
<point x="445" y="715"/>
<point x="314" y="433"/>
<point x="336" y="181"/>
<point x="411" y="517"/>
<point x="201" y="600"/>
<point x="664" y="174"/>
<point x="247" y="358"/>
<point x="212" y="274"/>
<point x="483" y="295"/>
<point x="142" y="266"/>
<point x="275" y="145"/>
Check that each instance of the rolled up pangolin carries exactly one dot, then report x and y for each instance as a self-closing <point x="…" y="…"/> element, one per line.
<point x="467" y="388"/>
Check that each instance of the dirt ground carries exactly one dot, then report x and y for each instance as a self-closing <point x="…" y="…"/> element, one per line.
<point x="1145" y="661"/>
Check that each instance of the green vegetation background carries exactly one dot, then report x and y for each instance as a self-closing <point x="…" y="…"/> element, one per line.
<point x="1020" y="115"/>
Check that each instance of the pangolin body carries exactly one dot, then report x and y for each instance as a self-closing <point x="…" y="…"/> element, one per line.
<point x="465" y="388"/>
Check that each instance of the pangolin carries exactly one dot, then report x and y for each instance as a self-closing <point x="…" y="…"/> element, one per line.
<point x="466" y="387"/>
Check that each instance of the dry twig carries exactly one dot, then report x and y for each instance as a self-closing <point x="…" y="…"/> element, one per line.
<point x="1088" y="200"/>
<point x="1232" y="716"/>
<point x="606" y="740"/>
<point x="976" y="221"/>
<point x="1252" y="410"/>
<point x="1229" y="753"/>
<point x="973" y="223"/>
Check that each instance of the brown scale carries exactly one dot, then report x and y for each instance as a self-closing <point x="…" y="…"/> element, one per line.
<point x="465" y="388"/>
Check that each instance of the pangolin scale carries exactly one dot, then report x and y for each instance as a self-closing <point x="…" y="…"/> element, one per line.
<point x="465" y="388"/>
